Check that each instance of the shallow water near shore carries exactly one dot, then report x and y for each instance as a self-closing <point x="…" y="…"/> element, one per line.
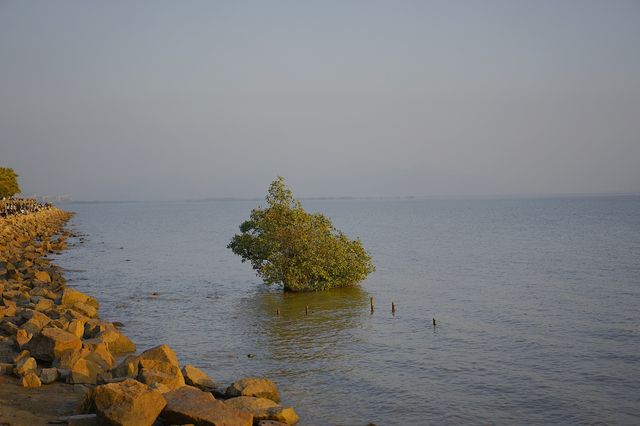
<point x="537" y="303"/>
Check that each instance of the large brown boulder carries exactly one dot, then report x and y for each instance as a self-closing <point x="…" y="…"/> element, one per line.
<point x="160" y="353"/>
<point x="25" y="365"/>
<point x="69" y="357"/>
<point x="128" y="367"/>
<point x="42" y="277"/>
<point x="263" y="409"/>
<point x="160" y="374"/>
<point x="100" y="354"/>
<point x="85" y="309"/>
<point x="254" y="386"/>
<point x="76" y="327"/>
<point x="127" y="403"/>
<point x="31" y="380"/>
<point x="36" y="321"/>
<point x="195" y="377"/>
<point x="84" y="371"/>
<point x="48" y="375"/>
<point x="95" y="326"/>
<point x="51" y="343"/>
<point x="70" y="297"/>
<point x="191" y="405"/>
<point x="117" y="342"/>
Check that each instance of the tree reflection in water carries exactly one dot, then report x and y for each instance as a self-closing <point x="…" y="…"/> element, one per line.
<point x="334" y="320"/>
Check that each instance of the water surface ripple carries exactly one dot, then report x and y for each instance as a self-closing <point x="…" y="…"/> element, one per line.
<point x="537" y="302"/>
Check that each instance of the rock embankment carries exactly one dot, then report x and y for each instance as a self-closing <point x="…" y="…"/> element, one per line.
<point x="52" y="334"/>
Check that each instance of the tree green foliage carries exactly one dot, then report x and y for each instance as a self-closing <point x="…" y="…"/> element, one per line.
<point x="8" y="182"/>
<point x="303" y="251"/>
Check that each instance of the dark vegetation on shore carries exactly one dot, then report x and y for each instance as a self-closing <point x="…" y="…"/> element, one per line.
<point x="51" y="336"/>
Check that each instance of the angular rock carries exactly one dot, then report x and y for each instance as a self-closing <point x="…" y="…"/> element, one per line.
<point x="128" y="367"/>
<point x="254" y="386"/>
<point x="76" y="327"/>
<point x="191" y="405"/>
<point x="31" y="380"/>
<point x="193" y="376"/>
<point x="22" y="355"/>
<point x="51" y="343"/>
<point x="48" y="375"/>
<point x="264" y="409"/>
<point x="160" y="353"/>
<point x="153" y="372"/>
<point x="25" y="365"/>
<point x="85" y="309"/>
<point x="69" y="357"/>
<point x="128" y="403"/>
<point x="42" y="277"/>
<point x="93" y="327"/>
<point x="44" y="305"/>
<point x="8" y="328"/>
<point x="84" y="371"/>
<point x="70" y="297"/>
<point x="36" y="321"/>
<point x="117" y="342"/>
<point x="99" y="353"/>
<point x="22" y="337"/>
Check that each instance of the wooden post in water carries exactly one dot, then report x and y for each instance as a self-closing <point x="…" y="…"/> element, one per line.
<point x="373" y="304"/>
<point x="278" y="311"/>
<point x="393" y="308"/>
<point x="434" y="322"/>
<point x="306" y="310"/>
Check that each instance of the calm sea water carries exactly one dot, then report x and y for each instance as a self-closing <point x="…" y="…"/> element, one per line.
<point x="537" y="303"/>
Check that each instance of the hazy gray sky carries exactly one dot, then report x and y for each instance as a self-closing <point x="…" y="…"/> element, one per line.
<point x="173" y="100"/>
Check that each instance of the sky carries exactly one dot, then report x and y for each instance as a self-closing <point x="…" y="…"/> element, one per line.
<point x="169" y="100"/>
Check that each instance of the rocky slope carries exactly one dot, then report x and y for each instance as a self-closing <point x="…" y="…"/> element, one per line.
<point x="51" y="337"/>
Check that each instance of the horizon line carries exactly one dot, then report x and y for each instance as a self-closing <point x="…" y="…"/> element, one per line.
<point x="379" y="197"/>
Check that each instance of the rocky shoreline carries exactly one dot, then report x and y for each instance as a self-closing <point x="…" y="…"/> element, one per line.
<point x="60" y="363"/>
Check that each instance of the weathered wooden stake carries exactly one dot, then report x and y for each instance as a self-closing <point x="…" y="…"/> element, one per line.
<point x="306" y="310"/>
<point x="434" y="322"/>
<point x="373" y="304"/>
<point x="393" y="308"/>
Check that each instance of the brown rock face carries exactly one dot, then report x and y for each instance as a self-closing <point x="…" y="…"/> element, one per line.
<point x="22" y="337"/>
<point x="42" y="277"/>
<point x="264" y="409"/>
<point x="36" y="321"/>
<point x="51" y="343"/>
<point x="195" y="377"/>
<point x="100" y="354"/>
<point x="76" y="327"/>
<point x="24" y="365"/>
<point x="254" y="386"/>
<point x="85" y="309"/>
<point x="31" y="380"/>
<point x="128" y="403"/>
<point x="70" y="297"/>
<point x="191" y="405"/>
<point x="84" y="371"/>
<point x="127" y="368"/>
<point x="117" y="342"/>
<point x="154" y="372"/>
<point x="161" y="353"/>
<point x="48" y="375"/>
